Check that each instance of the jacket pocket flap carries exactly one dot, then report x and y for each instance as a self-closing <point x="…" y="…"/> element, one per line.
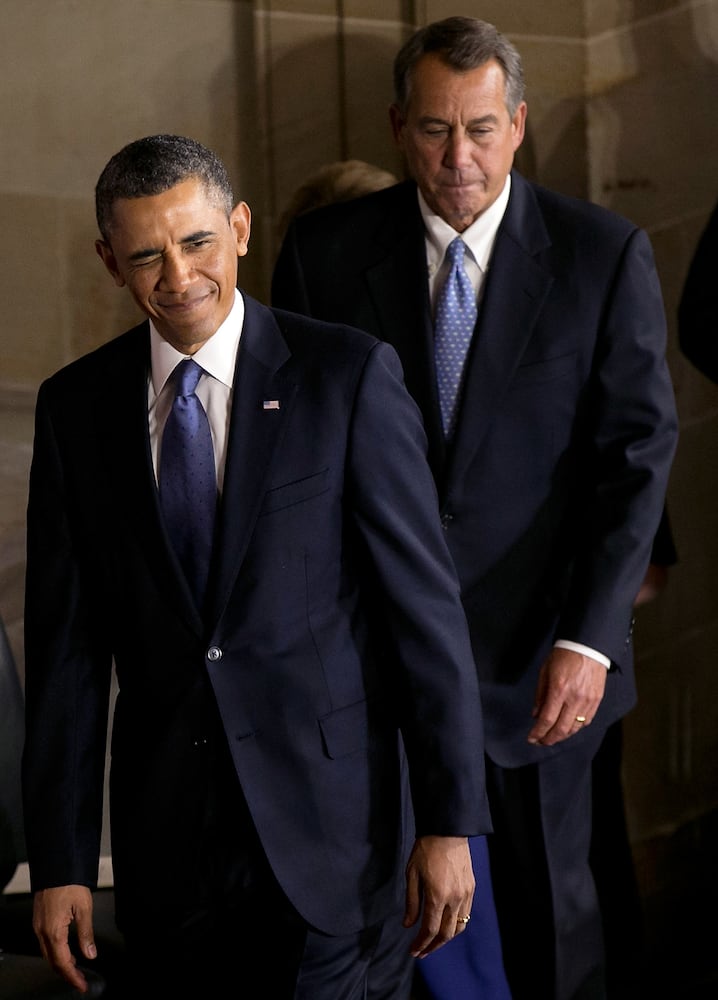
<point x="291" y="493"/>
<point x="345" y="730"/>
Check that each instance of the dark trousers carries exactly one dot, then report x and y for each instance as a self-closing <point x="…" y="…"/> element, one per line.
<point x="236" y="935"/>
<point x="546" y="899"/>
<point x="262" y="948"/>
<point x="259" y="948"/>
<point x="614" y="871"/>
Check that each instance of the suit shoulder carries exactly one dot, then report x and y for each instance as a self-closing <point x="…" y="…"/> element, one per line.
<point x="335" y="350"/>
<point x="105" y="358"/>
<point x="357" y="214"/>
<point x="562" y="210"/>
<point x="302" y="333"/>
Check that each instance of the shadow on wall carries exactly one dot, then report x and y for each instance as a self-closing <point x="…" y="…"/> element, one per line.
<point x="340" y="110"/>
<point x="653" y="106"/>
<point x="565" y="169"/>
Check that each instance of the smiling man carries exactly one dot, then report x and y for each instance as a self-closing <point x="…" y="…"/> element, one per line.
<point x="532" y="334"/>
<point x="233" y="503"/>
<point x="181" y="276"/>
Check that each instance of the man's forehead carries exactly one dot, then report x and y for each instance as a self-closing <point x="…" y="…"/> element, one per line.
<point x="188" y="199"/>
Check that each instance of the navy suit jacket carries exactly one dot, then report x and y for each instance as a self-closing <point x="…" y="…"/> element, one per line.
<point x="335" y="622"/>
<point x="697" y="308"/>
<point x="553" y="486"/>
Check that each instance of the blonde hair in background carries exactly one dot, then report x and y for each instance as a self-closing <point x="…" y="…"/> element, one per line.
<point x="337" y="181"/>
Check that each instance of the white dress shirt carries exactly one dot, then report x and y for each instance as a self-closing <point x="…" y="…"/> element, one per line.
<point x="217" y="357"/>
<point x="479" y="239"/>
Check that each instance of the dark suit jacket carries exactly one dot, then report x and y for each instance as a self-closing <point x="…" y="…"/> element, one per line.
<point x="329" y="522"/>
<point x="553" y="487"/>
<point x="698" y="306"/>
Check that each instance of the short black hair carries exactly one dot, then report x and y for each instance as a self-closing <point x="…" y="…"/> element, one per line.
<point x="155" y="164"/>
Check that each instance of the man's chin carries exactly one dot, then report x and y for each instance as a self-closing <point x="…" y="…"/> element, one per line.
<point x="459" y="213"/>
<point x="461" y="218"/>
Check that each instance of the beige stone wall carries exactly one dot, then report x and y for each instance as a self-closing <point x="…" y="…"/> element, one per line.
<point x="621" y="109"/>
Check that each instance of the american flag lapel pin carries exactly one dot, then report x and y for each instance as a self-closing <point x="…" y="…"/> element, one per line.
<point x="270" y="404"/>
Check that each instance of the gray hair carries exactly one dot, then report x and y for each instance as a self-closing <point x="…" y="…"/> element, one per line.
<point x="463" y="43"/>
<point x="155" y="164"/>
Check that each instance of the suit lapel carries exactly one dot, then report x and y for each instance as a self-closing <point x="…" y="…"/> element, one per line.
<point x="130" y="469"/>
<point x="262" y="401"/>
<point x="515" y="290"/>
<point x="253" y="433"/>
<point x="398" y="285"/>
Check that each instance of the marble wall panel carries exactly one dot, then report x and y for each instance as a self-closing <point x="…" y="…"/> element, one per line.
<point x="650" y="112"/>
<point x="96" y="310"/>
<point x="323" y="8"/>
<point x="31" y="289"/>
<point x="326" y="86"/>
<point x="552" y="17"/>
<point x="554" y="149"/>
<point x="59" y="300"/>
<point x="382" y="10"/>
<point x="304" y="97"/>
<point x="80" y="80"/>
<point x="369" y="51"/>
<point x="605" y="15"/>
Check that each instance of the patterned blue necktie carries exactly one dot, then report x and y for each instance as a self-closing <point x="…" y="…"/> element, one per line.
<point x="454" y="327"/>
<point x="187" y="480"/>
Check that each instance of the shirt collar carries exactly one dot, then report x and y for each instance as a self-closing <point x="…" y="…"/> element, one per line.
<point x="479" y="237"/>
<point x="217" y="356"/>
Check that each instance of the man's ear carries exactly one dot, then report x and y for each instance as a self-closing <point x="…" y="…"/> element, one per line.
<point x="396" y="120"/>
<point x="518" y="125"/>
<point x="104" y="251"/>
<point x="240" y="220"/>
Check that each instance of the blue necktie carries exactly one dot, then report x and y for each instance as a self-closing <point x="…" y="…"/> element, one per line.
<point x="187" y="480"/>
<point x="454" y="327"/>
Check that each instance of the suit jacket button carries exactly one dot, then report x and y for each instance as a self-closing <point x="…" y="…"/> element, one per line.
<point x="446" y="520"/>
<point x="214" y="654"/>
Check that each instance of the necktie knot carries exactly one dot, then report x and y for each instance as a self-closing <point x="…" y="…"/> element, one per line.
<point x="456" y="250"/>
<point x="186" y="376"/>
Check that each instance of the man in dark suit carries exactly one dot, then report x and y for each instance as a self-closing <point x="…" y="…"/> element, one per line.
<point x="698" y="306"/>
<point x="258" y="834"/>
<point x="553" y="468"/>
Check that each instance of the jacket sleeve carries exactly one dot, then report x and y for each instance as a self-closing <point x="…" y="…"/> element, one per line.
<point x="396" y="509"/>
<point x="698" y="307"/>
<point x="633" y="434"/>
<point x="67" y="680"/>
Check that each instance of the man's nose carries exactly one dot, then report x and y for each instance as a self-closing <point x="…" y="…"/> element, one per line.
<point x="176" y="272"/>
<point x="459" y="149"/>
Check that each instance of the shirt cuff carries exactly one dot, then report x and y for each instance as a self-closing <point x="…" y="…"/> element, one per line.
<point x="585" y="650"/>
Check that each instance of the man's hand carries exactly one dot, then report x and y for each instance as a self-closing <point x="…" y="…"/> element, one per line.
<point x="569" y="690"/>
<point x="439" y="886"/>
<point x="54" y="910"/>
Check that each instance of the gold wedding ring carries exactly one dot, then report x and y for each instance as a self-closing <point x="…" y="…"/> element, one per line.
<point x="464" y="920"/>
<point x="580" y="719"/>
